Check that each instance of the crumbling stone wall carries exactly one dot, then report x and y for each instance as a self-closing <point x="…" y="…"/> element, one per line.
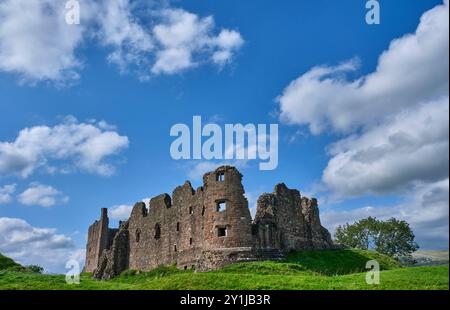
<point x="284" y="220"/>
<point x="100" y="237"/>
<point x="206" y="228"/>
<point x="115" y="259"/>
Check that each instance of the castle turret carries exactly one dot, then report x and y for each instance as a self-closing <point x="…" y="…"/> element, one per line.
<point x="228" y="220"/>
<point x="98" y="240"/>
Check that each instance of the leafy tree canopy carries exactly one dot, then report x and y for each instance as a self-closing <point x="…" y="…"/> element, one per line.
<point x="392" y="237"/>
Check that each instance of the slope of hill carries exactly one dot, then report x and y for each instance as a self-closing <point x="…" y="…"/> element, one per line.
<point x="317" y="270"/>
<point x="8" y="263"/>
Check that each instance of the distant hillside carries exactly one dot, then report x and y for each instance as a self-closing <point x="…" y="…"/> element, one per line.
<point x="431" y="258"/>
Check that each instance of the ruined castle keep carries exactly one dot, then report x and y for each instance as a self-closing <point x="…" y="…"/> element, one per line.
<point x="206" y="228"/>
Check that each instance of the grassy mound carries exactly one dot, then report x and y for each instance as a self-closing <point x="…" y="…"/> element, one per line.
<point x="314" y="270"/>
<point x="325" y="262"/>
<point x="8" y="263"/>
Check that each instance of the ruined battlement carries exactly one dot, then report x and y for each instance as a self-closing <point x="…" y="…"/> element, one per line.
<point x="206" y="228"/>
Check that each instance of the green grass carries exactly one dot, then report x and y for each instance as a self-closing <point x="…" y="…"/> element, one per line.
<point x="316" y="270"/>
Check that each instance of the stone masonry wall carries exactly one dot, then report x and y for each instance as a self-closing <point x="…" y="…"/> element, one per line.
<point x="284" y="220"/>
<point x="205" y="228"/>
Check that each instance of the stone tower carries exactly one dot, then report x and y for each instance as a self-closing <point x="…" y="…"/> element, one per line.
<point x="99" y="239"/>
<point x="227" y="217"/>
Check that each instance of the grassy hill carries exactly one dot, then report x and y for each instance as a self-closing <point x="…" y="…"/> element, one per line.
<point x="337" y="269"/>
<point x="8" y="263"/>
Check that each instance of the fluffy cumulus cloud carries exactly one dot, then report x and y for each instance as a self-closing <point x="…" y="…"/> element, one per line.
<point x="411" y="147"/>
<point x="123" y="212"/>
<point x="32" y="245"/>
<point x="425" y="209"/>
<point x="120" y="212"/>
<point x="37" y="44"/>
<point x="42" y="195"/>
<point x="414" y="69"/>
<point x="6" y="192"/>
<point x="184" y="40"/>
<point x="396" y="118"/>
<point x="62" y="148"/>
<point x="394" y="124"/>
<point x="119" y="29"/>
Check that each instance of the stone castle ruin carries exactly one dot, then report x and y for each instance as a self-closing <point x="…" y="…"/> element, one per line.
<point x="205" y="229"/>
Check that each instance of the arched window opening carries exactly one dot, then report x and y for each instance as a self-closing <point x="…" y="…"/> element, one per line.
<point x="138" y="235"/>
<point x="157" y="232"/>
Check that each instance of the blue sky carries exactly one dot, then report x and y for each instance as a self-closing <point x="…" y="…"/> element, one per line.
<point x="274" y="45"/>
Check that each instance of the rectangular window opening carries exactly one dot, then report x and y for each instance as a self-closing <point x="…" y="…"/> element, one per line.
<point x="221" y="206"/>
<point x="220" y="177"/>
<point x="222" y="232"/>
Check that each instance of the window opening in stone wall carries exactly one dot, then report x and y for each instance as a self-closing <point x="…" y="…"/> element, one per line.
<point x="138" y="235"/>
<point x="175" y="248"/>
<point x="222" y="232"/>
<point x="178" y="226"/>
<point x="203" y="210"/>
<point x="221" y="206"/>
<point x="190" y="241"/>
<point x="191" y="210"/>
<point x="220" y="177"/>
<point x="157" y="231"/>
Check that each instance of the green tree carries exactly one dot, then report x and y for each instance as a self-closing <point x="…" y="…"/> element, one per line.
<point x="34" y="268"/>
<point x="395" y="238"/>
<point x="392" y="237"/>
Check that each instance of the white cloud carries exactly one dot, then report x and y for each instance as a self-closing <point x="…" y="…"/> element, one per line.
<point x="397" y="116"/>
<point x="6" y="192"/>
<point x="42" y="195"/>
<point x="120" y="212"/>
<point x="121" y="30"/>
<point x="228" y="41"/>
<point x="395" y="126"/>
<point x="147" y="202"/>
<point x="32" y="245"/>
<point x="411" y="147"/>
<point x="413" y="70"/>
<point x="183" y="38"/>
<point x="425" y="208"/>
<point x="78" y="145"/>
<point x="36" y="43"/>
<point x="123" y="212"/>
